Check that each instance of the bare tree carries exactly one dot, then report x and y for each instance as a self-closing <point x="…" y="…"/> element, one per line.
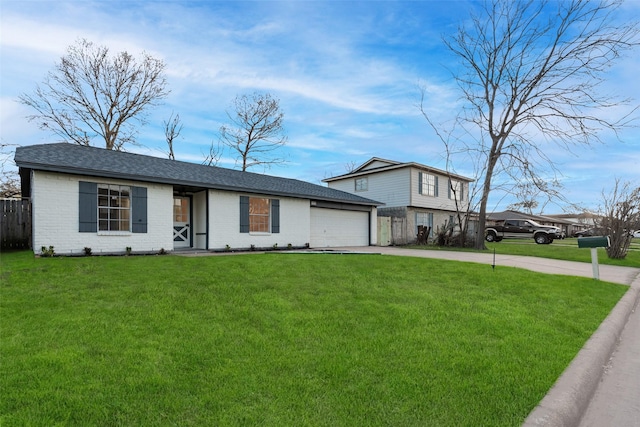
<point x="532" y="72"/>
<point x="214" y="155"/>
<point x="172" y="129"/>
<point x="620" y="212"/>
<point x="350" y="166"/>
<point x="256" y="130"/>
<point x="9" y="179"/>
<point x="529" y="194"/>
<point x="90" y="94"/>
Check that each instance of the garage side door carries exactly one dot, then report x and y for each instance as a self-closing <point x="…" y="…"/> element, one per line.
<point x="334" y="227"/>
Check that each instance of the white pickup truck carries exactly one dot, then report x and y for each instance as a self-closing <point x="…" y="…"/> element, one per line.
<point x="521" y="229"/>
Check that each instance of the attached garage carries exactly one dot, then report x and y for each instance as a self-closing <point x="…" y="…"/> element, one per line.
<point x="339" y="227"/>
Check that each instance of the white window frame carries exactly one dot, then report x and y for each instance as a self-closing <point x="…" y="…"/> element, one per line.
<point x="455" y="188"/>
<point x="114" y="192"/>
<point x="428" y="184"/>
<point x="425" y="219"/>
<point x="256" y="219"/>
<point x="362" y="184"/>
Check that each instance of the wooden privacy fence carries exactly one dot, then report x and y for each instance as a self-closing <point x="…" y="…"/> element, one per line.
<point x="15" y="224"/>
<point x="393" y="231"/>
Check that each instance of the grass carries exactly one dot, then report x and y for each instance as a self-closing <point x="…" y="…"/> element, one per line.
<point x="284" y="340"/>
<point x="566" y="249"/>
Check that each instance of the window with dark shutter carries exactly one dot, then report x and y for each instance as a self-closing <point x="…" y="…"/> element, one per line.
<point x="275" y="216"/>
<point x="88" y="214"/>
<point x="259" y="215"/>
<point x="138" y="210"/>
<point x="108" y="207"/>
<point x="244" y="214"/>
<point x="427" y="184"/>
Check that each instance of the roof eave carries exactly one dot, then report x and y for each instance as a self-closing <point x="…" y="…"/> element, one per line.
<point x="397" y="166"/>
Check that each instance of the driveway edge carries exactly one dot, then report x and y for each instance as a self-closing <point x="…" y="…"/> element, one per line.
<point x="568" y="399"/>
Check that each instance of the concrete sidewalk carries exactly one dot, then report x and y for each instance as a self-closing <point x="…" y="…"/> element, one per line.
<point x="601" y="386"/>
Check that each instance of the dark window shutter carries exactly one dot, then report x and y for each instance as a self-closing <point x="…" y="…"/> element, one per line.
<point x="138" y="210"/>
<point x="88" y="212"/>
<point x="244" y="214"/>
<point x="275" y="216"/>
<point x="419" y="182"/>
<point x="449" y="187"/>
<point x="436" y="193"/>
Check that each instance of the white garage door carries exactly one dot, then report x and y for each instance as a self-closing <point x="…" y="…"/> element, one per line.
<point x="334" y="227"/>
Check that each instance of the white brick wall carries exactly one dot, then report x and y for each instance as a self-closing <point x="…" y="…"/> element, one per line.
<point x="55" y="199"/>
<point x="224" y="223"/>
<point x="199" y="206"/>
<point x="55" y="217"/>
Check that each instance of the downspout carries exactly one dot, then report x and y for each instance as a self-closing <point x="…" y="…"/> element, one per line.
<point x="206" y="245"/>
<point x="370" y="225"/>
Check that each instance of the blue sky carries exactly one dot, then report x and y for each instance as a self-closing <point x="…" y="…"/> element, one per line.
<point x="348" y="76"/>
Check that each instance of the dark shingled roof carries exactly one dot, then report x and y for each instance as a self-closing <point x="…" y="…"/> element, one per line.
<point x="81" y="160"/>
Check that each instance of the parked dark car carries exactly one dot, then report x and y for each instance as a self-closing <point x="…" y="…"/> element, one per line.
<point x="522" y="229"/>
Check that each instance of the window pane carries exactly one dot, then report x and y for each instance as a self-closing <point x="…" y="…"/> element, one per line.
<point x="362" y="184"/>
<point x="258" y="206"/>
<point x="184" y="210"/>
<point x="259" y="209"/>
<point x="103" y="201"/>
<point x="114" y="200"/>
<point x="114" y="208"/>
<point x="428" y="184"/>
<point x="180" y="210"/>
<point x="259" y="224"/>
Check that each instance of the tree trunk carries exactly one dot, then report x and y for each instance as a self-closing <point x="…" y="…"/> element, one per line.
<point x="486" y="189"/>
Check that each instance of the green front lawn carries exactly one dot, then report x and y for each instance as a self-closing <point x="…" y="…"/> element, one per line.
<point x="284" y="340"/>
<point x="566" y="249"/>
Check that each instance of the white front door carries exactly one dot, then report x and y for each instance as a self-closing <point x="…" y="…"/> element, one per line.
<point x="181" y="229"/>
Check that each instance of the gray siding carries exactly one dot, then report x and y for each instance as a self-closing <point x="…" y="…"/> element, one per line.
<point x="442" y="202"/>
<point x="390" y="187"/>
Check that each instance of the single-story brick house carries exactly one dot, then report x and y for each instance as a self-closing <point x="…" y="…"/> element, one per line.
<point x="110" y="201"/>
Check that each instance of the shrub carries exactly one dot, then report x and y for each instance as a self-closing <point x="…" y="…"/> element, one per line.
<point x="47" y="252"/>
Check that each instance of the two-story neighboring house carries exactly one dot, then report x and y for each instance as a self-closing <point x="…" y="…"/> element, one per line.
<point x="414" y="193"/>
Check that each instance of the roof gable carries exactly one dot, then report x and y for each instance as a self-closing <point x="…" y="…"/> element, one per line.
<point x="378" y="165"/>
<point x="81" y="160"/>
<point x="375" y="163"/>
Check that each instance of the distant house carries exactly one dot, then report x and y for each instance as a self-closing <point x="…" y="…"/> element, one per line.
<point x="413" y="193"/>
<point x="578" y="222"/>
<point x="109" y="201"/>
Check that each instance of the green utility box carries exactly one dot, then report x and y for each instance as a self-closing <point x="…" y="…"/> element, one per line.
<point x="594" y="242"/>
